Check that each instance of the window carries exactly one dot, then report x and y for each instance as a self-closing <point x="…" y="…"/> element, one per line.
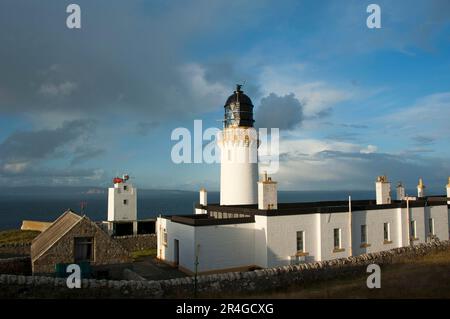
<point x="125" y="187"/>
<point x="125" y="201"/>
<point x="431" y="227"/>
<point x="164" y="237"/>
<point x="363" y="234"/>
<point x="387" y="232"/>
<point x="83" y="249"/>
<point x="413" y="229"/>
<point x="337" y="238"/>
<point x="301" y="241"/>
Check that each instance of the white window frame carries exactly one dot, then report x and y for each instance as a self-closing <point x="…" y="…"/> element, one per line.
<point x="366" y="239"/>
<point x="303" y="248"/>
<point x="164" y="237"/>
<point x="388" y="226"/>
<point x="431" y="228"/>
<point x="339" y="238"/>
<point x="413" y="228"/>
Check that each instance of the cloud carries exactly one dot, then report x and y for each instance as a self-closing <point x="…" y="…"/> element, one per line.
<point x="53" y="177"/>
<point x="423" y="140"/>
<point x="25" y="146"/>
<point x="369" y="149"/>
<point x="425" y="121"/>
<point x="127" y="56"/>
<point x="283" y="112"/>
<point x="32" y="157"/>
<point x="317" y="97"/>
<point x="144" y="128"/>
<point x="337" y="170"/>
<point x="62" y="89"/>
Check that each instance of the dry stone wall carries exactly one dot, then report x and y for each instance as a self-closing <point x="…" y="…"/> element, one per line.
<point x="137" y="242"/>
<point x="17" y="265"/>
<point x="15" y="249"/>
<point x="251" y="281"/>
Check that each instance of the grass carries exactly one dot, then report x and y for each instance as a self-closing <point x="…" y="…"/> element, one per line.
<point x="17" y="236"/>
<point x="423" y="277"/>
<point x="143" y="253"/>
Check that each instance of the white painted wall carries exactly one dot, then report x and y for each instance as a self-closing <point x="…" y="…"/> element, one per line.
<point x="186" y="238"/>
<point x="418" y="214"/>
<point x="238" y="166"/>
<point x="328" y="223"/>
<point x="117" y="210"/>
<point x="374" y="221"/>
<point x="441" y="221"/>
<point x="261" y="241"/>
<point x="225" y="246"/>
<point x="282" y="238"/>
<point x="271" y="241"/>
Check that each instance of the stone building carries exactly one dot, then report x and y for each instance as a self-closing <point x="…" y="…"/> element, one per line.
<point x="73" y="239"/>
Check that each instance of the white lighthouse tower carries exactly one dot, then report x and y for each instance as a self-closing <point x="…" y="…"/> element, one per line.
<point x="122" y="203"/>
<point x="238" y="143"/>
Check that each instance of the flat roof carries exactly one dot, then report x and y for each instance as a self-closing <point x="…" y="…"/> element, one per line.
<point x="237" y="214"/>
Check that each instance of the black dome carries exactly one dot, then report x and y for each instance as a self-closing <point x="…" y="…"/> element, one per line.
<point x="238" y="97"/>
<point x="238" y="110"/>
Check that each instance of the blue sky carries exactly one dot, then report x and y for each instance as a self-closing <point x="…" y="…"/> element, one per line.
<point x="78" y="107"/>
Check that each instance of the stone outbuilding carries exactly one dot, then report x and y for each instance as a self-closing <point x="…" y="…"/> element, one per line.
<point x="75" y="239"/>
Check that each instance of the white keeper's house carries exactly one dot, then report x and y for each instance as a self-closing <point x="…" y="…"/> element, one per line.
<point x="250" y="229"/>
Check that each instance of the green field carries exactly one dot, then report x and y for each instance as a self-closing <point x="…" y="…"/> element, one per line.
<point x="424" y="277"/>
<point x="17" y="236"/>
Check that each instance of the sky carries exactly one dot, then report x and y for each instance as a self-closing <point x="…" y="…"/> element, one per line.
<point x="80" y="106"/>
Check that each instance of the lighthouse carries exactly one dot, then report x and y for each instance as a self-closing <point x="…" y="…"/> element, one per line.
<point x="122" y="205"/>
<point x="238" y="143"/>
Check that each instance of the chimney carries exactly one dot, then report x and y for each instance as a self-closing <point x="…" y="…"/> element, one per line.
<point x="400" y="191"/>
<point x="383" y="190"/>
<point x="448" y="191"/>
<point x="203" y="197"/>
<point x="203" y="202"/>
<point x="420" y="188"/>
<point x="267" y="194"/>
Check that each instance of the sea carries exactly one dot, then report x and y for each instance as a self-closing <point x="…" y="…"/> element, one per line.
<point x="47" y="204"/>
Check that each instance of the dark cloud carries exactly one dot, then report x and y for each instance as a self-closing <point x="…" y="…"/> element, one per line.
<point x="52" y="176"/>
<point x="127" y="56"/>
<point x="85" y="153"/>
<point x="144" y="128"/>
<point x="359" y="170"/>
<point x="423" y="140"/>
<point x="28" y="157"/>
<point x="283" y="112"/>
<point x="27" y="146"/>
<point x="344" y="136"/>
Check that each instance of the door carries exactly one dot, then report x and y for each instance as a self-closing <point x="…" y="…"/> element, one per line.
<point x="176" y="252"/>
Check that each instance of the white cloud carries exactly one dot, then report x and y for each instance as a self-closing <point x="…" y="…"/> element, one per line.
<point x="15" y="167"/>
<point x="317" y="96"/>
<point x="62" y="89"/>
<point x="194" y="75"/>
<point x="369" y="149"/>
